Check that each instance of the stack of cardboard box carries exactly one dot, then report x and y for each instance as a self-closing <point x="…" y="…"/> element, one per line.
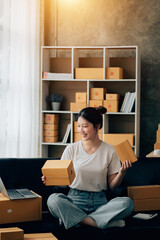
<point x="81" y="102"/>
<point x="146" y="198"/>
<point x="51" y="122"/>
<point x="96" y="97"/>
<point x="111" y="102"/>
<point x="157" y="144"/>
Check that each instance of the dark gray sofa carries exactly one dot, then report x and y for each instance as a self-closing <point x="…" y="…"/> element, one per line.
<point x="21" y="172"/>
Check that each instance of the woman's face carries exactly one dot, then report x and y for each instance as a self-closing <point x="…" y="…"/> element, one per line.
<point x="86" y="129"/>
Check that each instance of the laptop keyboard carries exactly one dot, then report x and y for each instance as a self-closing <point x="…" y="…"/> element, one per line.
<point x="13" y="194"/>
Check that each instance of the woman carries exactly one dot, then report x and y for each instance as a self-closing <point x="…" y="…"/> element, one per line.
<point x="96" y="166"/>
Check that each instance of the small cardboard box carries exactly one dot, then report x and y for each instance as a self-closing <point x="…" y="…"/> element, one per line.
<point x="23" y="210"/>
<point x="39" y="236"/>
<point x="51" y="139"/>
<point x="125" y="152"/>
<point x="51" y="127"/>
<point x="95" y="103"/>
<point x="75" y="127"/>
<point x="51" y="118"/>
<point x="146" y="198"/>
<point x="116" y="138"/>
<point x="77" y="106"/>
<point x="114" y="73"/>
<point x="49" y="133"/>
<point x="58" y="172"/>
<point x="97" y="93"/>
<point x="88" y="73"/>
<point x="111" y="105"/>
<point x="81" y="97"/>
<point x="14" y="233"/>
<point x="112" y="96"/>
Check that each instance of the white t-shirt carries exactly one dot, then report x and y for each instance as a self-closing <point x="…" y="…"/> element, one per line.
<point x="92" y="169"/>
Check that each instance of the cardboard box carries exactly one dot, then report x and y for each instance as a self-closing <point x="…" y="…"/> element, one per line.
<point x="146" y="198"/>
<point x="89" y="73"/>
<point x="75" y="127"/>
<point x="14" y="233"/>
<point x="39" y="236"/>
<point x="51" y="139"/>
<point x="51" y="118"/>
<point x="125" y="152"/>
<point x="97" y="93"/>
<point x="81" y="97"/>
<point x="114" y="73"/>
<point x="77" y="137"/>
<point x="77" y="107"/>
<point x="58" y="172"/>
<point x="156" y="146"/>
<point x="49" y="133"/>
<point x="112" y="96"/>
<point x="51" y="127"/>
<point x="111" y="105"/>
<point x="23" y="210"/>
<point x="95" y="103"/>
<point x="116" y="138"/>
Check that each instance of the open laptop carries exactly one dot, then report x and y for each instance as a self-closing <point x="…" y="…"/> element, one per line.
<point x="15" y="194"/>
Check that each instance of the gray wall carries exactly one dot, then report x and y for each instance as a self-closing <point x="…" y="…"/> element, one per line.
<point x="116" y="22"/>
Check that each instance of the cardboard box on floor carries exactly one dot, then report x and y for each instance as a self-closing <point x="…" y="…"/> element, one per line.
<point x="146" y="198"/>
<point x="125" y="152"/>
<point x="39" y="236"/>
<point x="58" y="172"/>
<point x="21" y="210"/>
<point x="14" y="233"/>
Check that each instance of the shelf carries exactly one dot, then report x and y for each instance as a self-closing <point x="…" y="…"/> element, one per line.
<point x="63" y="60"/>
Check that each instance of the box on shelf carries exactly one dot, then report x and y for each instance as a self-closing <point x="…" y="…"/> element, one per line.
<point x="49" y="133"/>
<point x="58" y="172"/>
<point x="88" y="73"/>
<point x="50" y="127"/>
<point x="146" y="198"/>
<point x="111" y="105"/>
<point x="95" y="103"/>
<point x="51" y="118"/>
<point x="13" y="233"/>
<point x="125" y="152"/>
<point x="21" y="210"/>
<point x="81" y="97"/>
<point x="114" y="73"/>
<point x="77" y="106"/>
<point x="51" y="139"/>
<point x="116" y="138"/>
<point x="97" y="93"/>
<point x="112" y="96"/>
<point x="77" y="136"/>
<point x="38" y="236"/>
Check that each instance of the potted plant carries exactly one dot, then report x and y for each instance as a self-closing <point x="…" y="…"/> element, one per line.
<point x="55" y="100"/>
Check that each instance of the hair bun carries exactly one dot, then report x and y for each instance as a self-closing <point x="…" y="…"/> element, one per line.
<point x="101" y="109"/>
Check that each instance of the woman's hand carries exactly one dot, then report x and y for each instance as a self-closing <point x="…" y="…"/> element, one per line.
<point x="43" y="179"/>
<point x="125" y="165"/>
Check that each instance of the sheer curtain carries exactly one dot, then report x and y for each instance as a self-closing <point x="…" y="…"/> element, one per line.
<point x="19" y="79"/>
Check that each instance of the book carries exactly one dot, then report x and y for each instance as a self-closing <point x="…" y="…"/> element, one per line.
<point x="67" y="133"/>
<point x="125" y="152"/>
<point x="132" y="101"/>
<point x="124" y="101"/>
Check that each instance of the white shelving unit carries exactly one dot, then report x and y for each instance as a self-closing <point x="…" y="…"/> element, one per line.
<point x="62" y="60"/>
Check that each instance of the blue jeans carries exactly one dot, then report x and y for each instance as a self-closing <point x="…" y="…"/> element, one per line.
<point x="78" y="205"/>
